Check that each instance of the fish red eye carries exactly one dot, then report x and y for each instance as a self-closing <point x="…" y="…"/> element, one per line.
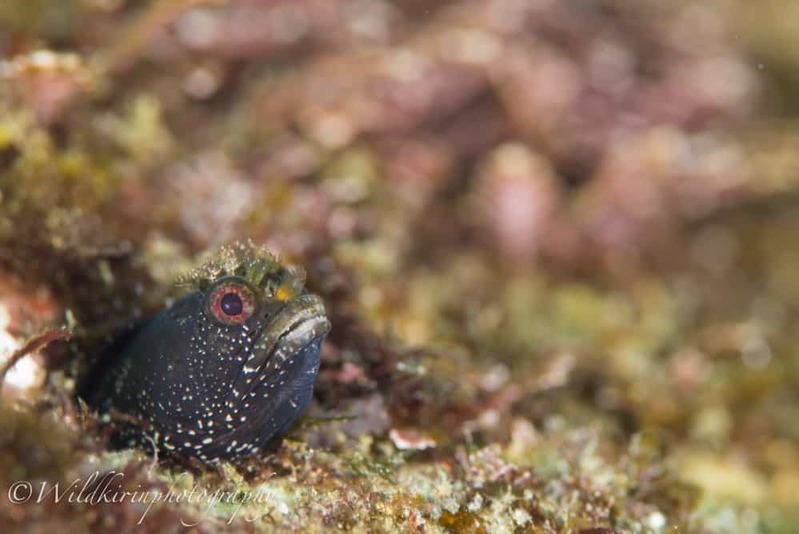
<point x="231" y="302"/>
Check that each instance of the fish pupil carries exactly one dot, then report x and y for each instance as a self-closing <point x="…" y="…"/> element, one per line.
<point x="231" y="304"/>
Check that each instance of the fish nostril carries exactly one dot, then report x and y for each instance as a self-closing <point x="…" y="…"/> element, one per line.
<point x="271" y="307"/>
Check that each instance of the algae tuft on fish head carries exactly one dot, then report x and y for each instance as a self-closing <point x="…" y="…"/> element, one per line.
<point x="226" y="368"/>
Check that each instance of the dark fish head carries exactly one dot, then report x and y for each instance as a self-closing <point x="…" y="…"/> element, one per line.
<point x="229" y="366"/>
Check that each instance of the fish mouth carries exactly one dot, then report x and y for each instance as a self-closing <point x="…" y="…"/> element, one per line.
<point x="298" y="324"/>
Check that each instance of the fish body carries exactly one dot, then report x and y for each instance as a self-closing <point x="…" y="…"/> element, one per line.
<point x="225" y="369"/>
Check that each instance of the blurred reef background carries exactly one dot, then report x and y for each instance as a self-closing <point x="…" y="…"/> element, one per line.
<point x="558" y="243"/>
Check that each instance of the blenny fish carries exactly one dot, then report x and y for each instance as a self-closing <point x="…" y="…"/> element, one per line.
<point x="224" y="370"/>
